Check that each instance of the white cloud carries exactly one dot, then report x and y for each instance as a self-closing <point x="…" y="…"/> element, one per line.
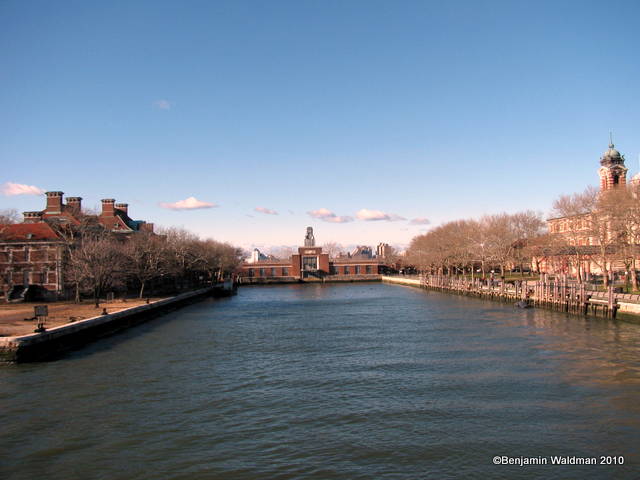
<point x="265" y="210"/>
<point x="328" y="216"/>
<point x="163" y="104"/>
<point x="376" y="215"/>
<point x="191" y="203"/>
<point x="9" y="189"/>
<point x="420" y="221"/>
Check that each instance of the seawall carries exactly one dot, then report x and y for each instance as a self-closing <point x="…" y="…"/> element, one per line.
<point x="52" y="342"/>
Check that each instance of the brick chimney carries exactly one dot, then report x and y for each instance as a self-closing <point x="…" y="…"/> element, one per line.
<point x="32" y="217"/>
<point x="75" y="204"/>
<point x="146" y="227"/>
<point x="123" y="207"/>
<point x="107" y="207"/>
<point x="54" y="202"/>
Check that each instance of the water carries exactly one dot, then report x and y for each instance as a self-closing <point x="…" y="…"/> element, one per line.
<point x="360" y="381"/>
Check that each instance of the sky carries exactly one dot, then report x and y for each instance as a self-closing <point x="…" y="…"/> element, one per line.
<point x="371" y="121"/>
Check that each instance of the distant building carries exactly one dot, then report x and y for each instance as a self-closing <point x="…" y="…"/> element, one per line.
<point x="256" y="256"/>
<point x="310" y="263"/>
<point x="383" y="250"/>
<point x="362" y="251"/>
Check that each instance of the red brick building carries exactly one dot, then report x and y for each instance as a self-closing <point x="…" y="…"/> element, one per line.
<point x="310" y="263"/>
<point x="575" y="233"/>
<point x="32" y="253"/>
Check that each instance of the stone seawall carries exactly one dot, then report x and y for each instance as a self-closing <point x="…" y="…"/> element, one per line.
<point x="52" y="342"/>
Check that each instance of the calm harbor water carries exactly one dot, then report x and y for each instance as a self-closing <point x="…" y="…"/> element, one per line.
<point x="359" y="381"/>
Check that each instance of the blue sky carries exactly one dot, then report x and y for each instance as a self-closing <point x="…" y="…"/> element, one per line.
<point x="396" y="110"/>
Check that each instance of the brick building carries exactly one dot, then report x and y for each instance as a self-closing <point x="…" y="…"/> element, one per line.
<point x="32" y="252"/>
<point x="310" y="263"/>
<point x="575" y="231"/>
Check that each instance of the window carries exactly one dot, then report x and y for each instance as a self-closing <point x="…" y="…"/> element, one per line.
<point x="251" y="272"/>
<point x="334" y="270"/>
<point x="346" y="270"/>
<point x="357" y="268"/>
<point x="285" y="271"/>
<point x="273" y="271"/>
<point x="369" y="269"/>
<point x="262" y="272"/>
<point x="309" y="263"/>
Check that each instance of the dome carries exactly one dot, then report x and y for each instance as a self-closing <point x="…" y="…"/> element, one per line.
<point x="611" y="157"/>
<point x="612" y="152"/>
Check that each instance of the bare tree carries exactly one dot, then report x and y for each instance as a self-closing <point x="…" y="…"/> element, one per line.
<point x="146" y="255"/>
<point x="100" y="264"/>
<point x="9" y="216"/>
<point x="333" y="249"/>
<point x="575" y="226"/>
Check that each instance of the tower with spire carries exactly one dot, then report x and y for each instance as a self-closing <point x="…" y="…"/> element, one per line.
<point x="612" y="171"/>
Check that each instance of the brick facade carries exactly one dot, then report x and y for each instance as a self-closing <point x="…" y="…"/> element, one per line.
<point x="310" y="263"/>
<point x="32" y="253"/>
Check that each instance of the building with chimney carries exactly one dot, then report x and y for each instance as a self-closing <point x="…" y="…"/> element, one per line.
<point x="32" y="253"/>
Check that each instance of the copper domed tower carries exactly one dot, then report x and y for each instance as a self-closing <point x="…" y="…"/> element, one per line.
<point x="612" y="171"/>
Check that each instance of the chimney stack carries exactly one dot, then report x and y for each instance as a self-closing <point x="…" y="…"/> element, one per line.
<point x="107" y="207"/>
<point x="75" y="204"/>
<point x="32" y="217"/>
<point x="146" y="227"/>
<point x="54" y="202"/>
<point x="123" y="207"/>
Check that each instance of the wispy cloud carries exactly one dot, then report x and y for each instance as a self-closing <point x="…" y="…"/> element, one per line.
<point x="163" y="104"/>
<point x="9" y="189"/>
<point x="376" y="215"/>
<point x="420" y="221"/>
<point x="328" y="216"/>
<point x="265" y="210"/>
<point x="191" y="203"/>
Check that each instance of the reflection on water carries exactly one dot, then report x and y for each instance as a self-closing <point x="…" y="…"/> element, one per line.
<point x="330" y="381"/>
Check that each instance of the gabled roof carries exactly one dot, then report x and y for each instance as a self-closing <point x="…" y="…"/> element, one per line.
<point x="27" y="232"/>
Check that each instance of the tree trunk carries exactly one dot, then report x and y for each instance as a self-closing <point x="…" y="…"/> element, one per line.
<point x="141" y="289"/>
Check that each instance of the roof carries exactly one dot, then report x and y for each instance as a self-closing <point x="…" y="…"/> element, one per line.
<point x="27" y="232"/>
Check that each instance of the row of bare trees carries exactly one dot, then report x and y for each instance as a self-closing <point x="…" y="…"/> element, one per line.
<point x="493" y="241"/>
<point x="96" y="261"/>
<point x="600" y="228"/>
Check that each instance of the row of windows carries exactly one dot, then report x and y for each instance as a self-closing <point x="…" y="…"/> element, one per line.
<point x="273" y="272"/>
<point x="335" y="270"/>
<point x="347" y="270"/>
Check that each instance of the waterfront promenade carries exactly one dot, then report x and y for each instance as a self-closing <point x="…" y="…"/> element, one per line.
<point x="17" y="318"/>
<point x="58" y="339"/>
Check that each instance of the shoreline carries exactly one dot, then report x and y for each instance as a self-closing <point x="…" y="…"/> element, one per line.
<point x="57" y="340"/>
<point x="626" y="310"/>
